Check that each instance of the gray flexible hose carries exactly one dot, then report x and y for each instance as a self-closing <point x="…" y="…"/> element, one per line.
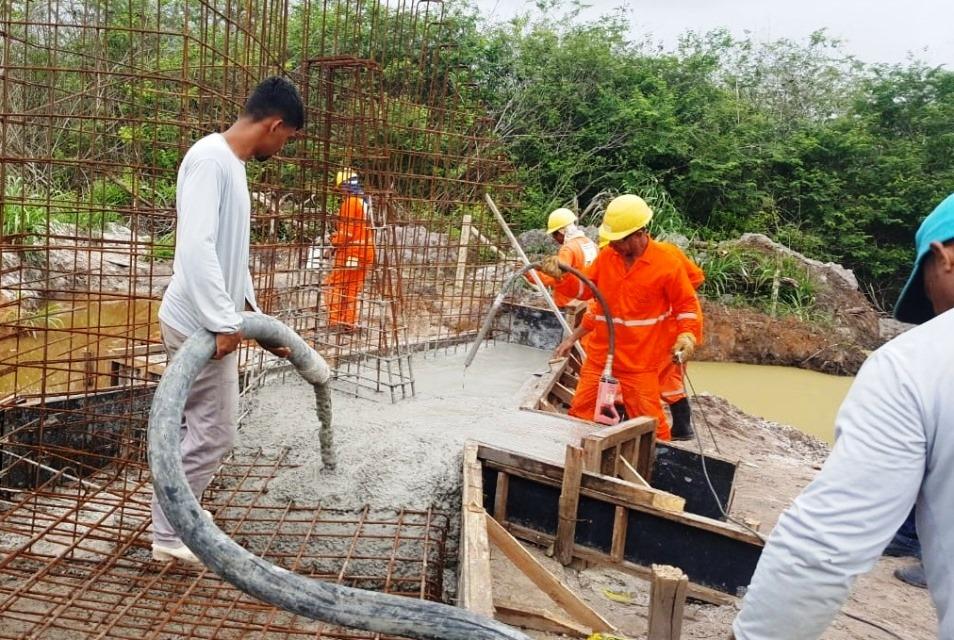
<point x="334" y="604"/>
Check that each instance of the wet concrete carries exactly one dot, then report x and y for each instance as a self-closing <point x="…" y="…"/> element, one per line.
<point x="407" y="454"/>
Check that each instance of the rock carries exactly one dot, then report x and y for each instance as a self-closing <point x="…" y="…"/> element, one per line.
<point x="827" y="269"/>
<point x="891" y="328"/>
<point x="836" y="295"/>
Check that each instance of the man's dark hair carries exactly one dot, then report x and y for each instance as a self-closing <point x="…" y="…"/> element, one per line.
<point x="276" y="96"/>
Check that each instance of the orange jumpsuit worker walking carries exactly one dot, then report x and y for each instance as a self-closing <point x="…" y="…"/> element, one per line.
<point x="672" y="386"/>
<point x="353" y="241"/>
<point x="643" y="284"/>
<point x="576" y="250"/>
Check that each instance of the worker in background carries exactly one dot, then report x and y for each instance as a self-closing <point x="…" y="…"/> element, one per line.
<point x="353" y="242"/>
<point x="672" y="384"/>
<point x="576" y="250"/>
<point x="894" y="447"/>
<point x="211" y="283"/>
<point x="643" y="284"/>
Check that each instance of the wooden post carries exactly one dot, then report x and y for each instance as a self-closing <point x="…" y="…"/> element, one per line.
<point x="667" y="596"/>
<point x="462" y="251"/>
<point x="474" y="590"/>
<point x="569" y="501"/>
<point x="500" y="500"/>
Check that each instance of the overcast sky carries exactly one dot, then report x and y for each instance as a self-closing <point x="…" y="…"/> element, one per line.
<point x="873" y="30"/>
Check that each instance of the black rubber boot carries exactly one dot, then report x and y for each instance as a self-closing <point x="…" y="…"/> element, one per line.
<point x="681" y="420"/>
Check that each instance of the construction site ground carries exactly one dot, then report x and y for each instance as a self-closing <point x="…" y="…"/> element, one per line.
<point x="407" y="455"/>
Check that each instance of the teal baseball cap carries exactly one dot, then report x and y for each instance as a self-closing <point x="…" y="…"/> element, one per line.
<point x="913" y="305"/>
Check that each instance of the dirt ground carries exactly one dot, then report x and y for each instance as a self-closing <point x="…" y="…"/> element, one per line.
<point x="776" y="462"/>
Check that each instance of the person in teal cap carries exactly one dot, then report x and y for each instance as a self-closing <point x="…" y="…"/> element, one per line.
<point x="894" y="447"/>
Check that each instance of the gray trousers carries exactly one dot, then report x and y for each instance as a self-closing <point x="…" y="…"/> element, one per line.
<point x="209" y="425"/>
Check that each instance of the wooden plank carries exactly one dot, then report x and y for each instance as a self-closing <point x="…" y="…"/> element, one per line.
<point x="608" y="464"/>
<point x="545" y="581"/>
<point x="628" y="473"/>
<point x="539" y="620"/>
<point x="569" y="503"/>
<point x="646" y="456"/>
<point x="474" y="589"/>
<point x="592" y="455"/>
<point x="462" y="251"/>
<point x="599" y="486"/>
<point x="667" y="597"/>
<point x="500" y="499"/>
<point x="628" y="450"/>
<point x="699" y="592"/>
<point x="619" y="433"/>
<point x="620" y="522"/>
<point x="561" y="393"/>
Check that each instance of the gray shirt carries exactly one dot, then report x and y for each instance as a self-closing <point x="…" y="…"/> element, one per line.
<point x="210" y="281"/>
<point x="894" y="446"/>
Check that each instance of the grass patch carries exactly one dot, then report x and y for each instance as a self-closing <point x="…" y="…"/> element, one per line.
<point x="777" y="285"/>
<point x="164" y="246"/>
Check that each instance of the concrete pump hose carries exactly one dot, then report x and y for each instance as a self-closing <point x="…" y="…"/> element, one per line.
<point x="334" y="604"/>
<point x="610" y="326"/>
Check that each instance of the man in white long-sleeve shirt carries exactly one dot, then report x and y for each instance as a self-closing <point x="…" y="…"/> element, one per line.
<point x="211" y="283"/>
<point x="894" y="447"/>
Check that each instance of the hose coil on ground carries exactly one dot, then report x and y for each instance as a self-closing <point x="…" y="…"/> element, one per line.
<point x="334" y="604"/>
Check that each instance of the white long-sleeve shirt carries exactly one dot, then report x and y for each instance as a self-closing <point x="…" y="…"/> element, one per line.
<point x="894" y="447"/>
<point x="210" y="280"/>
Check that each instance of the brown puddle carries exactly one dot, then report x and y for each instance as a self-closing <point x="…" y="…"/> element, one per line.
<point x="806" y="400"/>
<point x="71" y="346"/>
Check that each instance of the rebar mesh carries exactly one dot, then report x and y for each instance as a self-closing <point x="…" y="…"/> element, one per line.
<point x="75" y="561"/>
<point x="98" y="103"/>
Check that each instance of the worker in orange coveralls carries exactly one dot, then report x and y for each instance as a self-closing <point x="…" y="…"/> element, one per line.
<point x="576" y="250"/>
<point x="672" y="386"/>
<point x="643" y="284"/>
<point x="353" y="241"/>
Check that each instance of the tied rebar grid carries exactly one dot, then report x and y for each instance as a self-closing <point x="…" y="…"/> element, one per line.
<point x="99" y="101"/>
<point x="75" y="559"/>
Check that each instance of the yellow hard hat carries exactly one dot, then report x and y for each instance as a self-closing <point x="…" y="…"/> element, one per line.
<point x="559" y="219"/>
<point x="345" y="175"/>
<point x="625" y="215"/>
<point x="603" y="240"/>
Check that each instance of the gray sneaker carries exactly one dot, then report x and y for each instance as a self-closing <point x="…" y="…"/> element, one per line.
<point x="913" y="574"/>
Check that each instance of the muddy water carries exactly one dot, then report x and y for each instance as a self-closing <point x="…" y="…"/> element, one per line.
<point x="70" y="349"/>
<point x="804" y="399"/>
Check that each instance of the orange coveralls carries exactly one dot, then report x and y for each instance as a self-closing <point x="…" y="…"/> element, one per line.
<point x="353" y="238"/>
<point x="578" y="252"/>
<point x="671" y="385"/>
<point x="640" y="300"/>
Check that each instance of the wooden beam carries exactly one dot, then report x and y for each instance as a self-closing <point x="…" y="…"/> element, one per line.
<point x="569" y="503"/>
<point x="697" y="591"/>
<point x="539" y="620"/>
<point x="475" y="586"/>
<point x="667" y="597"/>
<point x="628" y="473"/>
<point x="611" y="490"/>
<point x="500" y="500"/>
<point x="620" y="524"/>
<point x="462" y="250"/>
<point x="607" y="437"/>
<point x="545" y="581"/>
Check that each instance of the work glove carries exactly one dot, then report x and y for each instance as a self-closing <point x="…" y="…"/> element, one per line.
<point x="551" y="266"/>
<point x="684" y="347"/>
<point x="351" y="263"/>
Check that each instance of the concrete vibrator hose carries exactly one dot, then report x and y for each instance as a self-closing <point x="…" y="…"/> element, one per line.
<point x="334" y="604"/>
<point x="498" y="301"/>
